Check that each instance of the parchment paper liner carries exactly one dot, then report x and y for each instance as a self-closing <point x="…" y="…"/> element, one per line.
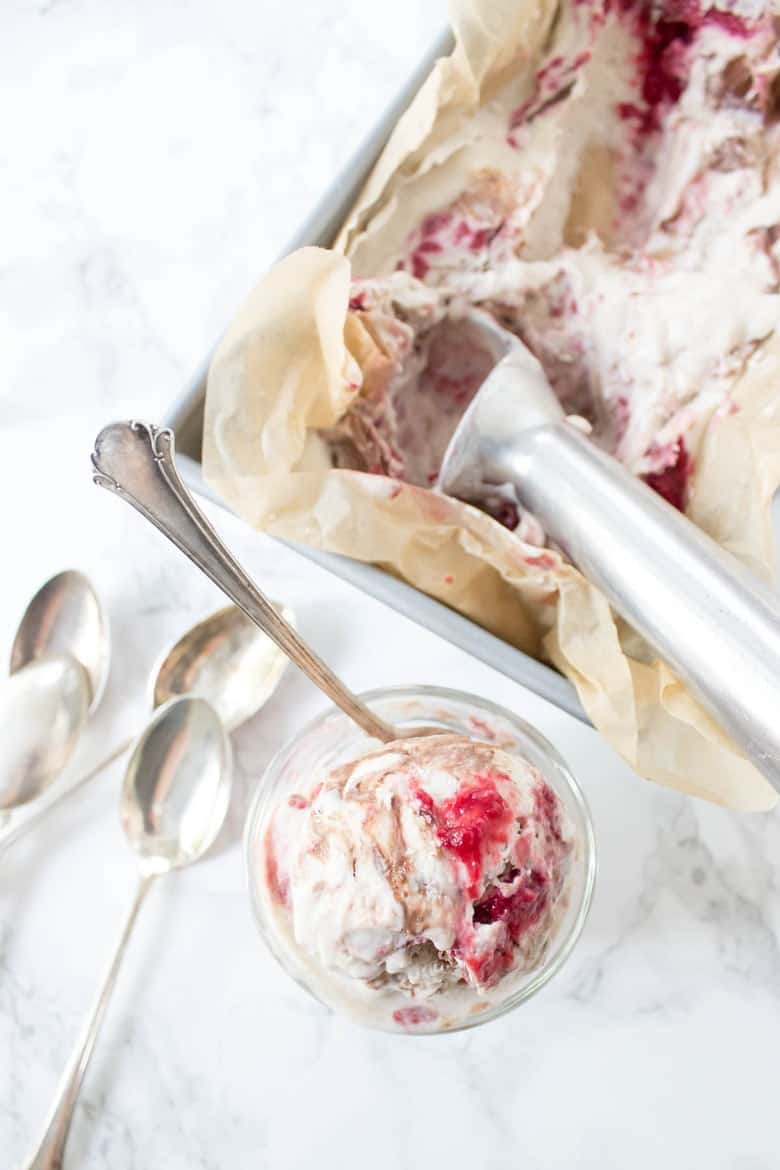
<point x="295" y="357"/>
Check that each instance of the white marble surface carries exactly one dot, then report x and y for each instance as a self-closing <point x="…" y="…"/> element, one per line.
<point x="155" y="157"/>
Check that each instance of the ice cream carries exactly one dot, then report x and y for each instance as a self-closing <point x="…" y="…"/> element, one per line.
<point x="411" y="887"/>
<point x="628" y="231"/>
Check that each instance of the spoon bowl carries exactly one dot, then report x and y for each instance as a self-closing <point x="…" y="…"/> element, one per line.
<point x="225" y="659"/>
<point x="177" y="785"/>
<point x="43" y="710"/>
<point x="66" y="617"/>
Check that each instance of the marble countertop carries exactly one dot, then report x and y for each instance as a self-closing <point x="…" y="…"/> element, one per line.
<point x="156" y="157"/>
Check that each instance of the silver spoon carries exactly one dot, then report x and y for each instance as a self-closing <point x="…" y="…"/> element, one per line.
<point x="66" y="617"/>
<point x="136" y="461"/>
<point x="224" y="658"/>
<point x="59" y="666"/>
<point x="173" y="804"/>
<point x="43" y="710"/>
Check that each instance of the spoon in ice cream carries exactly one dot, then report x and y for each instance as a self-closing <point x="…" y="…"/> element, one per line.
<point x="714" y="622"/>
<point x="173" y="804"/>
<point x="136" y="461"/>
<point x="224" y="658"/>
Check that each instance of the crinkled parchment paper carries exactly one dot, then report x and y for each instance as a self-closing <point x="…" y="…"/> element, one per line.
<point x="295" y="358"/>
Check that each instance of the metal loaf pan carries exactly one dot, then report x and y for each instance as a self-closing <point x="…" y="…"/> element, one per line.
<point x="185" y="416"/>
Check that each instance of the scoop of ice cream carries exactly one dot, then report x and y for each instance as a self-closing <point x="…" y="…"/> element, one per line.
<point x="429" y="864"/>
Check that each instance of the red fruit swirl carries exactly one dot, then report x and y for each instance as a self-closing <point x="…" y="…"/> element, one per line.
<point x="277" y="887"/>
<point x="672" y="482"/>
<point x="470" y="824"/>
<point x="408" y="1017"/>
<point x="517" y="912"/>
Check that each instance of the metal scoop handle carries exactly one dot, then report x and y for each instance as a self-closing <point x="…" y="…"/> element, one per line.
<point x="136" y="461"/>
<point x="714" y="622"/>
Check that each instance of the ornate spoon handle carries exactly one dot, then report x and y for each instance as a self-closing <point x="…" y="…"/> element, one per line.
<point x="136" y="461"/>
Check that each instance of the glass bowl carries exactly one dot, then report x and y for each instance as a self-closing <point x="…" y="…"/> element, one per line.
<point x="332" y="739"/>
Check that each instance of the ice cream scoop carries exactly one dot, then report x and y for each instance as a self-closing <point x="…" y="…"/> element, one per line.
<point x="712" y="620"/>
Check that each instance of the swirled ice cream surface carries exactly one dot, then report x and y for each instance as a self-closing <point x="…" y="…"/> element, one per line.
<point x="626" y="226"/>
<point x="410" y="886"/>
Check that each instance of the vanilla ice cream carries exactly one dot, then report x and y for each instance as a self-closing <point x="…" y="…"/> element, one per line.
<point x="635" y="250"/>
<point x="408" y="887"/>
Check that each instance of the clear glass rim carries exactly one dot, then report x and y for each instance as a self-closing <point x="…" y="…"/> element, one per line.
<point x="564" y="946"/>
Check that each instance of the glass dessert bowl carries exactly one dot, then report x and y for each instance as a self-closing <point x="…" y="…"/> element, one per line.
<point x="426" y="886"/>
